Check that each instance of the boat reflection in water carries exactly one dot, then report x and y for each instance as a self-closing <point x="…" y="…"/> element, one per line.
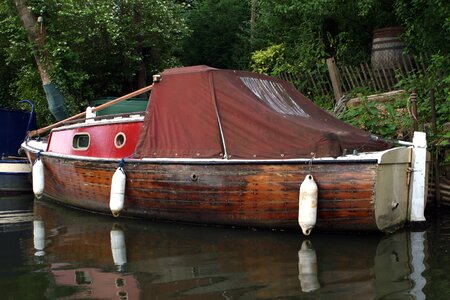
<point x="16" y="211"/>
<point x="396" y="267"/>
<point x="399" y="256"/>
<point x="96" y="257"/>
<point x="39" y="237"/>
<point x="118" y="247"/>
<point x="307" y="267"/>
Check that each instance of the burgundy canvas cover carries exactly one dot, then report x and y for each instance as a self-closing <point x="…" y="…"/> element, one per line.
<point x="202" y="112"/>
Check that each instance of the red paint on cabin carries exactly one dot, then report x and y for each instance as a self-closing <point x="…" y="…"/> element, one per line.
<point x="101" y="140"/>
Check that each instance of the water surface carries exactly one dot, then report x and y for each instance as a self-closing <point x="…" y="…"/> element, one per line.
<point x="53" y="252"/>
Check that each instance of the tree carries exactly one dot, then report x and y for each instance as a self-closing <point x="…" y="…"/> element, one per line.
<point x="312" y="31"/>
<point x="220" y="34"/>
<point x="37" y="37"/>
<point x="97" y="48"/>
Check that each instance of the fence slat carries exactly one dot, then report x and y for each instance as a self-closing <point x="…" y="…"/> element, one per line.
<point x="401" y="70"/>
<point x="372" y="77"/>
<point x="350" y="77"/>
<point x="366" y="80"/>
<point x="311" y="78"/>
<point x="346" y="83"/>
<point x="358" y="73"/>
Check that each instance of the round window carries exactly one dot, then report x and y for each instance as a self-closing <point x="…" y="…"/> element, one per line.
<point x="120" y="140"/>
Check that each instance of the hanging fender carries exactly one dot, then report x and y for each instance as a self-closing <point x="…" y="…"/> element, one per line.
<point x="38" y="177"/>
<point x="117" y="196"/>
<point x="307" y="204"/>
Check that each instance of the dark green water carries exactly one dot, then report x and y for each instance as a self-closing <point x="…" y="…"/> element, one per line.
<point x="53" y="252"/>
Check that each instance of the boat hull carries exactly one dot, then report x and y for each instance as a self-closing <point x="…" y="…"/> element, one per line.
<point x="15" y="176"/>
<point x="251" y="194"/>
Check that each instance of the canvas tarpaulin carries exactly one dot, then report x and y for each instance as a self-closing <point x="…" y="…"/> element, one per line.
<point x="202" y="112"/>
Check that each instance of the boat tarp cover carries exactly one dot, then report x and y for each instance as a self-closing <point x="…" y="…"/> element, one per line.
<point x="202" y="112"/>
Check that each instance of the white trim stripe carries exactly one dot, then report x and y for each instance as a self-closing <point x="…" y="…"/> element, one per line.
<point x="6" y="167"/>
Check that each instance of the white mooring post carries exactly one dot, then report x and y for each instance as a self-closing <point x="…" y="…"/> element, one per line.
<point x="417" y="187"/>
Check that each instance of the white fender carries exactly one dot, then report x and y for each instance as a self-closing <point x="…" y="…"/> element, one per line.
<point x="307" y="204"/>
<point x="38" y="178"/>
<point x="118" y="247"/>
<point x="90" y="115"/>
<point x="117" y="196"/>
<point x="307" y="268"/>
<point x="39" y="237"/>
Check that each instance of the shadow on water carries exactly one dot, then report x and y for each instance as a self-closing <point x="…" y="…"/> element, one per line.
<point x="65" y="253"/>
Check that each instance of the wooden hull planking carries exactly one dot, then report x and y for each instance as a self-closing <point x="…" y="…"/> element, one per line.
<point x="242" y="194"/>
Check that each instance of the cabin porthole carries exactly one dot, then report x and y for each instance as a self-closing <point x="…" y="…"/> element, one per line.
<point x="81" y="141"/>
<point x="119" y="140"/>
<point x="194" y="177"/>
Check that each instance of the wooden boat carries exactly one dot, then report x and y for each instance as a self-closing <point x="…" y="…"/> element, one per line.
<point x="15" y="171"/>
<point x="231" y="148"/>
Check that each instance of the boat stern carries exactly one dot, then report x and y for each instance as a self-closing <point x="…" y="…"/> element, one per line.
<point x="391" y="193"/>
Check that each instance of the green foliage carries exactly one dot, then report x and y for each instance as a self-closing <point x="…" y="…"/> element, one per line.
<point x="445" y="139"/>
<point x="315" y="30"/>
<point x="324" y="102"/>
<point x="28" y="85"/>
<point x="95" y="48"/>
<point x="426" y="23"/>
<point x="436" y="78"/>
<point x="270" y="60"/>
<point x="395" y="120"/>
<point x="295" y="36"/>
<point x="220" y="34"/>
<point x="102" y="48"/>
<point x="387" y="119"/>
<point x="109" y="40"/>
<point x="427" y="30"/>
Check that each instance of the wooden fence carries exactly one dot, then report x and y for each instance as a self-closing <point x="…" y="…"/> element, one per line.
<point x="382" y="79"/>
<point x="332" y="80"/>
<point x="314" y="83"/>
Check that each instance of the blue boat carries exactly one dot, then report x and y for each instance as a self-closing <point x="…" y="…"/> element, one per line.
<point x="15" y="170"/>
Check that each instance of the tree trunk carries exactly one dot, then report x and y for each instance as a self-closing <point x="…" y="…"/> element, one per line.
<point x="37" y="37"/>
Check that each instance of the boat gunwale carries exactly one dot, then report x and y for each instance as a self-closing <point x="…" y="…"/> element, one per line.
<point x="373" y="159"/>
